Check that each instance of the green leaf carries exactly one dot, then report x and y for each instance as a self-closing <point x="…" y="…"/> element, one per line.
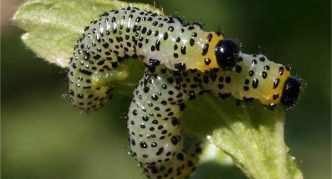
<point x="53" y="26"/>
<point x="252" y="135"/>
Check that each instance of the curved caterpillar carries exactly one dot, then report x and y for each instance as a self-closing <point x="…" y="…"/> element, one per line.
<point x="153" y="118"/>
<point x="193" y="62"/>
<point x="153" y="38"/>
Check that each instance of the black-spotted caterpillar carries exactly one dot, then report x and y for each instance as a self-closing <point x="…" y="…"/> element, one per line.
<point x="152" y="38"/>
<point x="191" y="62"/>
<point x="153" y="118"/>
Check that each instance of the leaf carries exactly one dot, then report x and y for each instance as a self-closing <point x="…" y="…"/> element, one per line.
<point x="252" y="135"/>
<point x="53" y="26"/>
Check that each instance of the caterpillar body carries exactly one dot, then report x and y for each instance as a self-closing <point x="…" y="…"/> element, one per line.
<point x="152" y="38"/>
<point x="183" y="61"/>
<point x="154" y="114"/>
<point x="154" y="128"/>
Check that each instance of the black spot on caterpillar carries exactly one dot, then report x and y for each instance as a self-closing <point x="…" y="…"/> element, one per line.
<point x="155" y="112"/>
<point x="152" y="38"/>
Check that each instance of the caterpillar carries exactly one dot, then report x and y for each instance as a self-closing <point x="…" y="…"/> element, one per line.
<point x="155" y="111"/>
<point x="182" y="61"/>
<point x="152" y="38"/>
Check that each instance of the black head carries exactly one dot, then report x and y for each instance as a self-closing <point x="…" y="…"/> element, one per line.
<point x="290" y="91"/>
<point x="227" y="53"/>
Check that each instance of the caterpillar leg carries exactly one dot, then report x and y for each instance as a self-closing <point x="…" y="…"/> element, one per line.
<point x="155" y="132"/>
<point x="90" y="90"/>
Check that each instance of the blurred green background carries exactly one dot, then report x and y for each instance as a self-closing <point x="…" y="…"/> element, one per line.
<point x="44" y="137"/>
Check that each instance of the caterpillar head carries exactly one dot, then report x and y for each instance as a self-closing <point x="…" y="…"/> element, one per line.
<point x="227" y="53"/>
<point x="291" y="91"/>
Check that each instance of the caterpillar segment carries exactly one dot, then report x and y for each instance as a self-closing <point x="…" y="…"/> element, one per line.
<point x="255" y="77"/>
<point x="155" y="133"/>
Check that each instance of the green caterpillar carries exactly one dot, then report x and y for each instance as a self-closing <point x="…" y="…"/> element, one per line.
<point x="154" y="114"/>
<point x="151" y="38"/>
<point x="182" y="61"/>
